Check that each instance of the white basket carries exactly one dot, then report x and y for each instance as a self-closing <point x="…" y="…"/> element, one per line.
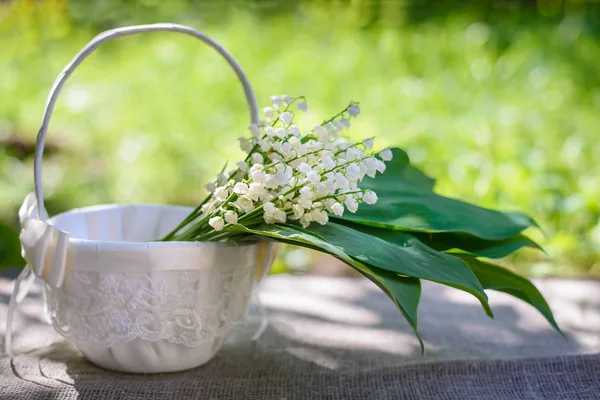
<point x="128" y="303"/>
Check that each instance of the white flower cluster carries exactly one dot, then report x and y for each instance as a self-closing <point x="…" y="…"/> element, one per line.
<point x="290" y="174"/>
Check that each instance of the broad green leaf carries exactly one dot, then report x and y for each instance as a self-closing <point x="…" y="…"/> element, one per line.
<point x="452" y="242"/>
<point x="399" y="175"/>
<point x="416" y="176"/>
<point x="428" y="212"/>
<point x="405" y="292"/>
<point x="407" y="202"/>
<point x="498" y="278"/>
<point x="407" y="256"/>
<point x="486" y="248"/>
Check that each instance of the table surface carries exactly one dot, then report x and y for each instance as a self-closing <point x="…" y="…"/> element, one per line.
<point x="342" y="338"/>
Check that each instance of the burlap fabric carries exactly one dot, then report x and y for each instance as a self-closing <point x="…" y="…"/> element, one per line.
<point x="340" y="338"/>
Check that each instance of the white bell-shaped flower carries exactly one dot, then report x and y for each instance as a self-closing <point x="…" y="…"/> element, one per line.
<point x="337" y="209"/>
<point x="240" y="188"/>
<point x="370" y="197"/>
<point x="269" y="112"/>
<point x="217" y="223"/>
<point x="286" y="117"/>
<point x="245" y="144"/>
<point x="221" y="193"/>
<point x="302" y="106"/>
<point x="386" y="155"/>
<point x="231" y="217"/>
<point x="245" y="204"/>
<point x="351" y="204"/>
<point x="354" y="110"/>
<point x="254" y="130"/>
<point x="277" y="101"/>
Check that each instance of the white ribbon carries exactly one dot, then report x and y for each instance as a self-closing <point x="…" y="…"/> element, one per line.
<point x="267" y="254"/>
<point x="25" y="278"/>
<point x="44" y="247"/>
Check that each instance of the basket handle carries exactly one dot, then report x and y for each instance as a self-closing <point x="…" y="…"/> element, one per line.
<point x="86" y="51"/>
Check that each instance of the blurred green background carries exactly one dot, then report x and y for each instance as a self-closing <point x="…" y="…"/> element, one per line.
<point x="499" y="100"/>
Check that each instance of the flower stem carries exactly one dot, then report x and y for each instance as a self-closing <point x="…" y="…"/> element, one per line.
<point x="338" y="194"/>
<point x="338" y="114"/>
<point x="193" y="215"/>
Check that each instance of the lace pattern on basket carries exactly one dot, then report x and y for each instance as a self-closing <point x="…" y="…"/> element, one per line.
<point x="182" y="307"/>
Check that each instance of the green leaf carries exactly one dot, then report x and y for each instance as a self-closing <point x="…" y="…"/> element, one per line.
<point x="453" y="243"/>
<point x="407" y="202"/>
<point x="498" y="278"/>
<point x="410" y="258"/>
<point x="399" y="175"/>
<point x="429" y="212"/>
<point x="470" y="245"/>
<point x="405" y="292"/>
<point x="406" y="257"/>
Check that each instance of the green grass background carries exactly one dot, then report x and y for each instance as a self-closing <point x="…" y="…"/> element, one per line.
<point x="500" y="101"/>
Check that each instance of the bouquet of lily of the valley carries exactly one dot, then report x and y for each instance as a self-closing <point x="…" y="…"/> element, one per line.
<point x="306" y="187"/>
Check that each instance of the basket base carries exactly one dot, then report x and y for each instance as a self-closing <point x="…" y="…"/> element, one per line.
<point x="144" y="357"/>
